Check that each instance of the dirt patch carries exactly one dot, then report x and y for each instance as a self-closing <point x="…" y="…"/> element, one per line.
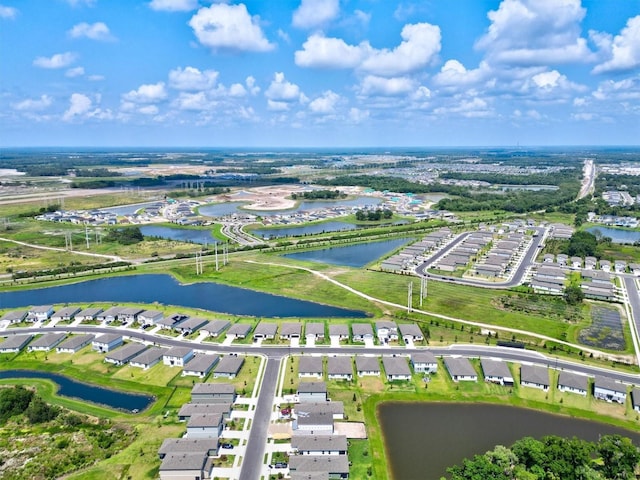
<point x="350" y="429"/>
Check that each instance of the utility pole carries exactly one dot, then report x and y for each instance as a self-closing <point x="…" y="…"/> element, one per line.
<point x="68" y="244"/>
<point x="199" y="265"/>
<point x="409" y="297"/>
<point x="423" y="289"/>
<point x="86" y="234"/>
<point x="225" y="253"/>
<point x="216" y="254"/>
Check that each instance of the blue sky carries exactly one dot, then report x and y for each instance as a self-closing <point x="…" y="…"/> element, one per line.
<point x="319" y="73"/>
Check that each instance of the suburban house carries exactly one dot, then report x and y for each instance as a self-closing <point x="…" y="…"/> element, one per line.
<point x="239" y="330"/>
<point x="396" y="368"/>
<point x="534" y="376"/>
<point x="215" y="327"/>
<point x="129" y="314"/>
<point x="206" y="446"/>
<point x="265" y="331"/>
<point x="310" y="367"/>
<point x="496" y="371"/>
<point x="46" y="342"/>
<point x="339" y="330"/>
<point x="609" y="390"/>
<point x="177" y="356"/>
<point x="386" y="331"/>
<point x="213" y="393"/>
<point x="590" y="263"/>
<point x="74" y="343"/>
<point x="289" y="330"/>
<point x="319" y="422"/>
<point x="150" y="317"/>
<point x="88" y="314"/>
<point x="424" y="362"/>
<point x="319" y="444"/>
<point x="204" y="425"/>
<point x="605" y="265"/>
<point x="410" y="332"/>
<point x="182" y="466"/>
<point x="15" y="343"/>
<point x="106" y="342"/>
<point x="367" y="366"/>
<point x="597" y="277"/>
<point x="572" y="382"/>
<point x="14" y="316"/>
<point x="190" y="325"/>
<point x="336" y="409"/>
<point x="460" y="369"/>
<point x="200" y="365"/>
<point x="109" y="315"/>
<point x="339" y="368"/>
<point x="172" y="321"/>
<point x="189" y="409"/>
<point x="65" y="314"/>
<point x="148" y="358"/>
<point x="229" y="366"/>
<point x="312" y="392"/>
<point x="39" y="313"/>
<point x="336" y="466"/>
<point x="361" y="332"/>
<point x="314" y="330"/>
<point x="576" y="263"/>
<point x="122" y="356"/>
<point x="635" y="398"/>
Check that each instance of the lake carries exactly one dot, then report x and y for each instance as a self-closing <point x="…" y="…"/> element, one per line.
<point x="617" y="235"/>
<point x="202" y="237"/>
<point x="85" y="392"/>
<point x="303" y="230"/>
<point x="127" y="209"/>
<point x="352" y="255"/>
<point x="166" y="290"/>
<point x="423" y="439"/>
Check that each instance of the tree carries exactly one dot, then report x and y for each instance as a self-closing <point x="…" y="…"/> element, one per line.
<point x="573" y="295"/>
<point x="14" y="401"/>
<point x="619" y="457"/>
<point x="39" y="411"/>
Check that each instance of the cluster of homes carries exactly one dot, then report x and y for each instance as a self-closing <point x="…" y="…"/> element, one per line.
<point x="205" y="416"/>
<point x="618" y="198"/>
<point x="560" y="231"/>
<point x="461" y="255"/>
<point x="613" y="220"/>
<point x="411" y="256"/>
<point x="502" y="255"/>
<point x="551" y="275"/>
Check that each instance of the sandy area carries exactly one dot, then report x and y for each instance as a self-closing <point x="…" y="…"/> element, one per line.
<point x="268" y="198"/>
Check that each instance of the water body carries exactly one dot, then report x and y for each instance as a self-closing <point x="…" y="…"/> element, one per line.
<point x="423" y="439"/>
<point x="202" y="237"/>
<point x="127" y="209"/>
<point x="85" y="392"/>
<point x="350" y="256"/>
<point x="164" y="289"/>
<point x="304" y="230"/>
<point x="222" y="209"/>
<point x="617" y="235"/>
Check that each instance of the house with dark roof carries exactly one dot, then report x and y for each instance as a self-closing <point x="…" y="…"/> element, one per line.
<point x="200" y="365"/>
<point x="74" y="343"/>
<point x="14" y="316"/>
<point x="410" y="332"/>
<point x="184" y="465"/>
<point x="312" y="392"/>
<point x="129" y="314"/>
<point x="239" y="330"/>
<point x="46" y="342"/>
<point x="335" y="408"/>
<point x="424" y="362"/>
<point x="496" y="371"/>
<point x="206" y="446"/>
<point x="319" y="444"/>
<point x="361" y="332"/>
<point x="65" y="314"/>
<point x="229" y="366"/>
<point x="122" y="356"/>
<point x="339" y="368"/>
<point x="106" y="342"/>
<point x="396" y="368"/>
<point x="189" y="409"/>
<point x="339" y="330"/>
<point x="336" y="466"/>
<point x="190" y="325"/>
<point x="607" y="389"/>
<point x="314" y="330"/>
<point x="367" y="365"/>
<point x="534" y="376"/>
<point x="88" y="314"/>
<point x="172" y="321"/>
<point x="15" y="343"/>
<point x="215" y="327"/>
<point x="289" y="330"/>
<point x="213" y="393"/>
<point x="265" y="331"/>
<point x="309" y="366"/>
<point x="204" y="425"/>
<point x="635" y="398"/>
<point x="148" y="358"/>
<point x="177" y="356"/>
<point x="460" y="369"/>
<point x="573" y="382"/>
<point x="313" y="423"/>
<point x="109" y="315"/>
<point x="150" y="317"/>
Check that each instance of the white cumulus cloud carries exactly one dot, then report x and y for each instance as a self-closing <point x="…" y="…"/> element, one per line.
<point x="79" y="105"/>
<point x="325" y="104"/>
<point x="59" y="60"/>
<point x="8" y="12"/>
<point x="94" y="31"/>
<point x="229" y="27"/>
<point x="624" y="53"/>
<point x="148" y="93"/>
<point x="323" y="52"/>
<point x="173" y="5"/>
<point x="34" y="104"/>
<point x="373" y="85"/>
<point x="315" y="13"/>
<point x="281" y="90"/>
<point x="191" y="78"/>
<point x="454" y="73"/>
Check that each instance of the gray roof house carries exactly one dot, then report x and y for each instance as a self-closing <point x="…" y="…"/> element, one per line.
<point x="200" y="365"/>
<point x="189" y="409"/>
<point x="215" y="327"/>
<point x="266" y="331"/>
<point x="65" y="314"/>
<point x="319" y="444"/>
<point x="122" y="356"/>
<point x="88" y="314"/>
<point x="496" y="371"/>
<point x="177" y="356"/>
<point x="312" y="392"/>
<point x="106" y="342"/>
<point x="229" y="366"/>
<point x="367" y="365"/>
<point x="337" y="466"/>
<point x="148" y="358"/>
<point x="308" y="475"/>
<point x="172" y="321"/>
<point x="46" y="342"/>
<point x="314" y="329"/>
<point x="605" y="388"/>
<point x="309" y="366"/>
<point x="319" y="422"/>
<point x="289" y="330"/>
<point x="74" y="343"/>
<point x="534" y="376"/>
<point x="339" y="368"/>
<point x="361" y="332"/>
<point x="183" y="465"/>
<point x="15" y="343"/>
<point x="213" y="393"/>
<point x="396" y="368"/>
<point x="191" y="324"/>
<point x="460" y="369"/>
<point x="339" y="330"/>
<point x="573" y="382"/>
<point x="386" y="331"/>
<point x="39" y="313"/>
<point x="424" y="362"/>
<point x="14" y="316"/>
<point x="204" y="425"/>
<point x="635" y="398"/>
<point x="239" y="330"/>
<point x="410" y="332"/>
<point x="109" y="315"/>
<point x="130" y="314"/>
<point x="206" y="446"/>
<point x="150" y="317"/>
<point x="335" y="408"/>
